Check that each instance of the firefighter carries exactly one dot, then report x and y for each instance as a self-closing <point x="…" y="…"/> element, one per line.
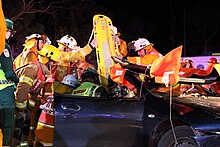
<point x="8" y="79"/>
<point x="71" y="56"/>
<point x="122" y="45"/>
<point x="66" y="44"/>
<point x="90" y="85"/>
<point x="147" y="54"/>
<point x="77" y="53"/>
<point x="31" y="81"/>
<point x="33" y="43"/>
<point x="44" y="132"/>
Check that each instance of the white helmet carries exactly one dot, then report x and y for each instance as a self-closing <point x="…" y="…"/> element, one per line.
<point x="68" y="41"/>
<point x="141" y="43"/>
<point x="37" y="36"/>
<point x="70" y="80"/>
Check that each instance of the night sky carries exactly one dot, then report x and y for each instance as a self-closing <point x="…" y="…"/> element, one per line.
<point x="195" y="24"/>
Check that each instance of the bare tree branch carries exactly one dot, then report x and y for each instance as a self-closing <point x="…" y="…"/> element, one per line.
<point x="32" y="6"/>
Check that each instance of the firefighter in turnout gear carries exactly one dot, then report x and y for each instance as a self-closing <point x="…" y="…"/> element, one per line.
<point x="31" y="81"/>
<point x="147" y="54"/>
<point x="71" y="56"/>
<point x="76" y="53"/>
<point x="44" y="131"/>
<point x="66" y="44"/>
<point x="8" y="79"/>
<point x="90" y="85"/>
<point x="33" y="43"/>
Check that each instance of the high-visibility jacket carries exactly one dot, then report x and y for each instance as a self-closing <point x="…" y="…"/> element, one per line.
<point x="31" y="80"/>
<point x="60" y="71"/>
<point x="7" y="80"/>
<point x="3" y="81"/>
<point x="122" y="48"/>
<point x="63" y="69"/>
<point x="75" y="55"/>
<point x="7" y="74"/>
<point x="90" y="89"/>
<point x="146" y="59"/>
<point x="68" y="65"/>
<point x="44" y="131"/>
<point x="26" y="56"/>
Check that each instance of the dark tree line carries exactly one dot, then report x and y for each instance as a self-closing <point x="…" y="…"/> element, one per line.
<point x="167" y="24"/>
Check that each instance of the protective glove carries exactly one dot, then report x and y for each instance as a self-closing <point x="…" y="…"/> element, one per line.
<point x="94" y="43"/>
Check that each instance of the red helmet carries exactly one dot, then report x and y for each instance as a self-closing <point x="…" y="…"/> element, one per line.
<point x="212" y="60"/>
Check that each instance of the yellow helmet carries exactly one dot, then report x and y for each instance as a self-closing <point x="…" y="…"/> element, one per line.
<point x="50" y="52"/>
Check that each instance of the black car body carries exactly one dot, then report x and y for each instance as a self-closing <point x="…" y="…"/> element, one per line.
<point x="150" y="120"/>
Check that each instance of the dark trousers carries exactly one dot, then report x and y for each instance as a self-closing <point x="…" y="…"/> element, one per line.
<point x="7" y="110"/>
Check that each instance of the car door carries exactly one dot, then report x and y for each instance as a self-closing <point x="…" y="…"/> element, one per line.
<point x="86" y="121"/>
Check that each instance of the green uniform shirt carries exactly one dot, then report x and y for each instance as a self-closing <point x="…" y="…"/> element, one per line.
<point x="6" y="61"/>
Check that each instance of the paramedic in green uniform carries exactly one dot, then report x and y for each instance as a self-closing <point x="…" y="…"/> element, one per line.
<point x="8" y="78"/>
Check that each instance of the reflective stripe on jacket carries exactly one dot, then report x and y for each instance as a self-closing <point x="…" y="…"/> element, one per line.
<point x="2" y="77"/>
<point x="79" y="54"/>
<point x="146" y="59"/>
<point x="27" y="75"/>
<point x="28" y="55"/>
<point x="44" y="131"/>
